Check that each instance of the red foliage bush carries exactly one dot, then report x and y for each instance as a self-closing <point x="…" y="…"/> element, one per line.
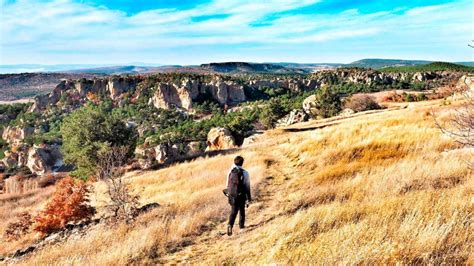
<point x="19" y="227"/>
<point x="69" y="203"/>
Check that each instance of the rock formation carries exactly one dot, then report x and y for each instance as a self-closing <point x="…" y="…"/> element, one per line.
<point x="309" y="105"/>
<point x="16" y="135"/>
<point x="170" y="96"/>
<point x="295" y="116"/>
<point x="44" y="158"/>
<point x="466" y="82"/>
<point x="219" y="139"/>
<point x="149" y="156"/>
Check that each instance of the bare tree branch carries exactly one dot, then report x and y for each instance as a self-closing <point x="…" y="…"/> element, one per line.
<point x="123" y="204"/>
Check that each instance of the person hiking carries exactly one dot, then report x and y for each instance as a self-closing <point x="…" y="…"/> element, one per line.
<point x="238" y="193"/>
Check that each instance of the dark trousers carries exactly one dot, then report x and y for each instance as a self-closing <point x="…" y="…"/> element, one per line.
<point x="238" y="207"/>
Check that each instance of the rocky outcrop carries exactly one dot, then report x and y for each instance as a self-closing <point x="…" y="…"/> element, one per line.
<point x="150" y="156"/>
<point x="219" y="139"/>
<point x="466" y="82"/>
<point x="424" y="76"/>
<point x="249" y="140"/>
<point x="309" y="105"/>
<point x="39" y="159"/>
<point x="118" y="85"/>
<point x="43" y="158"/>
<point x="16" y="157"/>
<point x="295" y="116"/>
<point x="168" y="96"/>
<point x="16" y="135"/>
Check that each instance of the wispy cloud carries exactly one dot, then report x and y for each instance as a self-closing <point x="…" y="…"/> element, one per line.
<point x="64" y="30"/>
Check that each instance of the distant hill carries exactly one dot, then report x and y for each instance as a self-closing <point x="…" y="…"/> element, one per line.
<point x="382" y="63"/>
<point x="378" y="63"/>
<point x="435" y="66"/>
<point x="244" y="67"/>
<point x="27" y="85"/>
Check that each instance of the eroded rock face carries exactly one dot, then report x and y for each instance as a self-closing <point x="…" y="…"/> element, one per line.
<point x="118" y="85"/>
<point x="170" y="96"/>
<point x="219" y="138"/>
<point x="44" y="158"/>
<point x="466" y="82"/>
<point x="17" y="156"/>
<point x="16" y="135"/>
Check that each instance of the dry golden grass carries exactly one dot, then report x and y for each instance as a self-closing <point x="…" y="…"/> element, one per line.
<point x="11" y="205"/>
<point x="191" y="199"/>
<point x="384" y="188"/>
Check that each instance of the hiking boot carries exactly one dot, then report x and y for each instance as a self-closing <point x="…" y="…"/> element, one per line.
<point x="229" y="230"/>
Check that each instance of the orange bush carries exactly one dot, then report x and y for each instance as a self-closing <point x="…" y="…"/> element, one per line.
<point x="92" y="97"/>
<point x="69" y="203"/>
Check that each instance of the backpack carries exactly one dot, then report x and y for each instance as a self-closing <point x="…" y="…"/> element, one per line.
<point x="235" y="184"/>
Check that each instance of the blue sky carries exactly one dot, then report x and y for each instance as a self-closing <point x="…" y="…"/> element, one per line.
<point x="199" y="31"/>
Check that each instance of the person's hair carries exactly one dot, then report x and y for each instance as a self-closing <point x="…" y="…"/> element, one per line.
<point x="239" y="160"/>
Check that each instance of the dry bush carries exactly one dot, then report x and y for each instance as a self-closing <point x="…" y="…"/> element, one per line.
<point x="123" y="203"/>
<point x="48" y="179"/>
<point x="20" y="184"/>
<point x="362" y="102"/>
<point x="19" y="227"/>
<point x="68" y="204"/>
<point x="460" y="124"/>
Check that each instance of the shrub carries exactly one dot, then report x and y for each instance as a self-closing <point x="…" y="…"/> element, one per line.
<point x="89" y="131"/>
<point x="409" y="97"/>
<point x="327" y="103"/>
<point x="271" y="113"/>
<point x="69" y="203"/>
<point x="18" y="228"/>
<point x="362" y="102"/>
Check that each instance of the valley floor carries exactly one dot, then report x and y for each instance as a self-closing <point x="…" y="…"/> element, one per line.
<point x="381" y="187"/>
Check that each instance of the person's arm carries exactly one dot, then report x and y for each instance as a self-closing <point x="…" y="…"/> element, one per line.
<point x="247" y="185"/>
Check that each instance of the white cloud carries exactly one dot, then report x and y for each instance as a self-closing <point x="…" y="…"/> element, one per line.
<point x="62" y="26"/>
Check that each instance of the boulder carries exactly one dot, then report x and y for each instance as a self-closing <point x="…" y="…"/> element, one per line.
<point x="146" y="156"/>
<point x="309" y="105"/>
<point x="44" y="158"/>
<point x="219" y="139"/>
<point x="162" y="153"/>
<point x="16" y="135"/>
<point x="347" y="112"/>
<point x="194" y="148"/>
<point x="249" y="140"/>
<point x="295" y="116"/>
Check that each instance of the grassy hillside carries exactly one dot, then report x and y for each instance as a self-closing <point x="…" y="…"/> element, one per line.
<point x="435" y="66"/>
<point x="384" y="187"/>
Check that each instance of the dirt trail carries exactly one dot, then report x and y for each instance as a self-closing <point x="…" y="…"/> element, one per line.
<point x="265" y="208"/>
